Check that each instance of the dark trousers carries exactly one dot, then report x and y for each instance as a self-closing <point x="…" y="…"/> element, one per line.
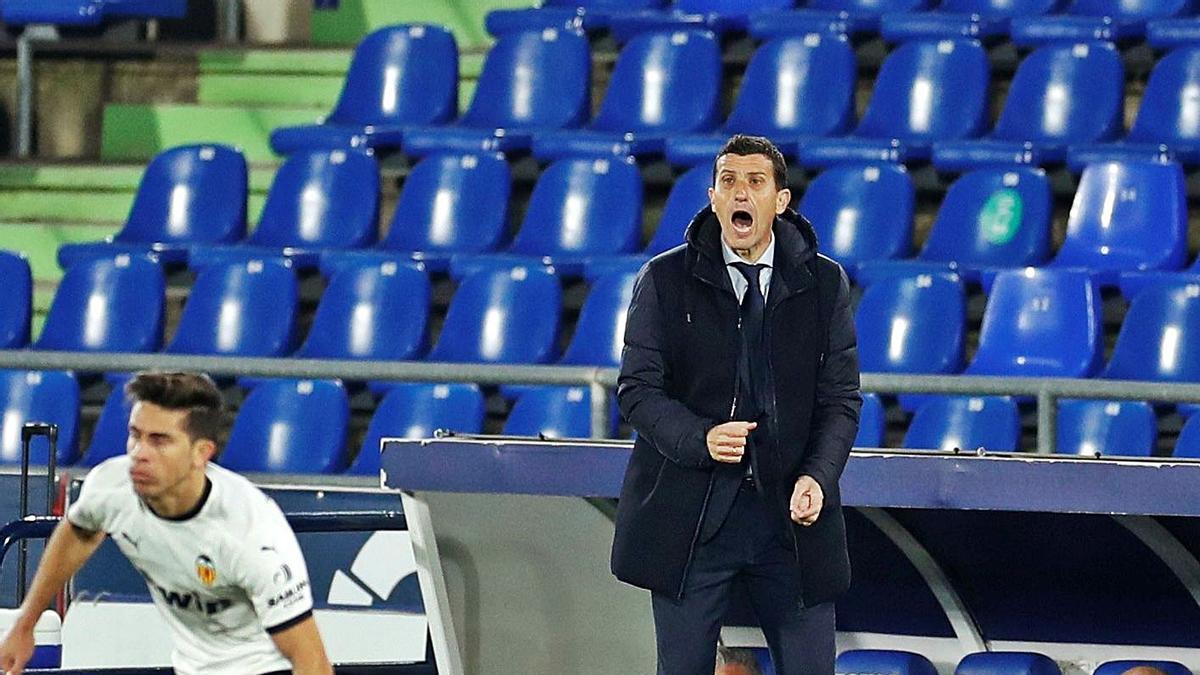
<point x="748" y="546"/>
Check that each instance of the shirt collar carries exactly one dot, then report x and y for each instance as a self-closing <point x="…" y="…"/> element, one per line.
<point x="767" y="258"/>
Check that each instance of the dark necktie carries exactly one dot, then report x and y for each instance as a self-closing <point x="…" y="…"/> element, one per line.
<point x="752" y="337"/>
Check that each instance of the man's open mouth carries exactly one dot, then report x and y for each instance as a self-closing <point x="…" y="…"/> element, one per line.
<point x="742" y="221"/>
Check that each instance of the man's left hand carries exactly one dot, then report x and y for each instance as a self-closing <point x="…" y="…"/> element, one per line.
<point x="807" y="500"/>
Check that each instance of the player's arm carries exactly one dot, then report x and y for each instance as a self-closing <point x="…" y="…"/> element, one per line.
<point x="69" y="548"/>
<point x="301" y="644"/>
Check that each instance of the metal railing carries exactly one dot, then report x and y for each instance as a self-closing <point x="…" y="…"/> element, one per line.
<point x="600" y="381"/>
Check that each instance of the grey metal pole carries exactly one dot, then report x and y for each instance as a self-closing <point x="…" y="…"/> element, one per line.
<point x="25" y="93"/>
<point x="600" y="410"/>
<point x="1047" y="415"/>
<point x="232" y="28"/>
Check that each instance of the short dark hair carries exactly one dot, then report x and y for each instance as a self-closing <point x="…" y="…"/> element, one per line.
<point x="194" y="392"/>
<point x="740" y="144"/>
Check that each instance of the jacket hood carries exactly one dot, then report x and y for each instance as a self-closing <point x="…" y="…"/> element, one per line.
<point x="795" y="235"/>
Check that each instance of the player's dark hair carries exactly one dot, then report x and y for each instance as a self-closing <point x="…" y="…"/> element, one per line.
<point x="740" y="144"/>
<point x="194" y="392"/>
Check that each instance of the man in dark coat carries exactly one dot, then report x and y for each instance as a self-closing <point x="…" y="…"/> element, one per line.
<point x="740" y="376"/>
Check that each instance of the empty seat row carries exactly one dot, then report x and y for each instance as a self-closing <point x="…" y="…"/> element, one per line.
<point x="664" y="96"/>
<point x="896" y="662"/>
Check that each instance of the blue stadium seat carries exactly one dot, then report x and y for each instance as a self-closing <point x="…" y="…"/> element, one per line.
<point x="449" y="204"/>
<point x="531" y="82"/>
<point x="795" y="87"/>
<point x="1041" y="323"/>
<point x="1007" y="663"/>
<point x="580" y="209"/>
<point x="719" y="16"/>
<point x="663" y="84"/>
<point x="188" y="195"/>
<point x="319" y="199"/>
<point x="688" y="196"/>
<point x="1108" y="20"/>
<point x="554" y="412"/>
<point x="591" y="15"/>
<point x="1060" y="94"/>
<point x="913" y="324"/>
<point x="242" y="309"/>
<point x="76" y="13"/>
<point x="1172" y="32"/>
<point x="1127" y="216"/>
<point x="989" y="218"/>
<point x="1159" y="336"/>
<point x="926" y="91"/>
<point x="1119" y="667"/>
<point x="112" y="305"/>
<point x="417" y="410"/>
<point x="1188" y="443"/>
<point x="290" y="426"/>
<point x="882" y="662"/>
<point x="848" y="17"/>
<point x="111" y="432"/>
<point x="1168" y="116"/>
<point x="872" y="421"/>
<point x="146" y="9"/>
<point x="861" y="213"/>
<point x="1108" y="428"/>
<point x="374" y="311"/>
<point x="600" y="331"/>
<point x="399" y="76"/>
<point x="488" y="320"/>
<point x="16" y="303"/>
<point x="966" y="423"/>
<point x="979" y="19"/>
<point x="38" y="396"/>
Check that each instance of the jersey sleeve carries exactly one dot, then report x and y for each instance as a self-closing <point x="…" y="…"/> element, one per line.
<point x="275" y="576"/>
<point x="91" y="510"/>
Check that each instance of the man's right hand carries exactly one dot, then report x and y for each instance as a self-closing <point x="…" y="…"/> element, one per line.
<point x="727" y="442"/>
<point x="15" y="651"/>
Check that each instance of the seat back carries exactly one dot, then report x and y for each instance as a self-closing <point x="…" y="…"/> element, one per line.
<point x="191" y="194"/>
<point x="290" y="426"/>
<point x="452" y="203"/>
<point x="929" y="90"/>
<point x="111" y="433"/>
<point x="1170" y="108"/>
<point x="881" y="661"/>
<point x="730" y="7"/>
<point x="38" y="396"/>
<point x="967" y="423"/>
<point x="993" y="218"/>
<point x="1188" y="443"/>
<point x="490" y="318"/>
<point x="872" y="8"/>
<point x="798" y="86"/>
<point x="607" y="4"/>
<point x="107" y="305"/>
<point x="689" y="194"/>
<point x="1127" y="216"/>
<point x="666" y="82"/>
<point x="1090" y="428"/>
<point x="553" y="412"/>
<point x="600" y="331"/>
<point x="872" y="422"/>
<point x="1007" y="663"/>
<point x="1065" y="93"/>
<point x="1000" y="8"/>
<point x="1160" y="336"/>
<point x="534" y="80"/>
<point x="1041" y="323"/>
<point x="321" y="199"/>
<point x="1119" y="667"/>
<point x="1129" y="9"/>
<point x="581" y="207"/>
<point x="912" y="324"/>
<point x="239" y="309"/>
<point x="371" y="311"/>
<point x="401" y="75"/>
<point x="417" y="410"/>
<point x="16" y="303"/>
<point x="861" y="212"/>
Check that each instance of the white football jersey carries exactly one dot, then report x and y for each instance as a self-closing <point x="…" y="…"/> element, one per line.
<point x="223" y="577"/>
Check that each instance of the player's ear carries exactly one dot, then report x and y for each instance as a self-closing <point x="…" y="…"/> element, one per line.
<point x="205" y="448"/>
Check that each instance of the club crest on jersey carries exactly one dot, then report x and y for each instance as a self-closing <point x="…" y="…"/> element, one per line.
<point x="206" y="571"/>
